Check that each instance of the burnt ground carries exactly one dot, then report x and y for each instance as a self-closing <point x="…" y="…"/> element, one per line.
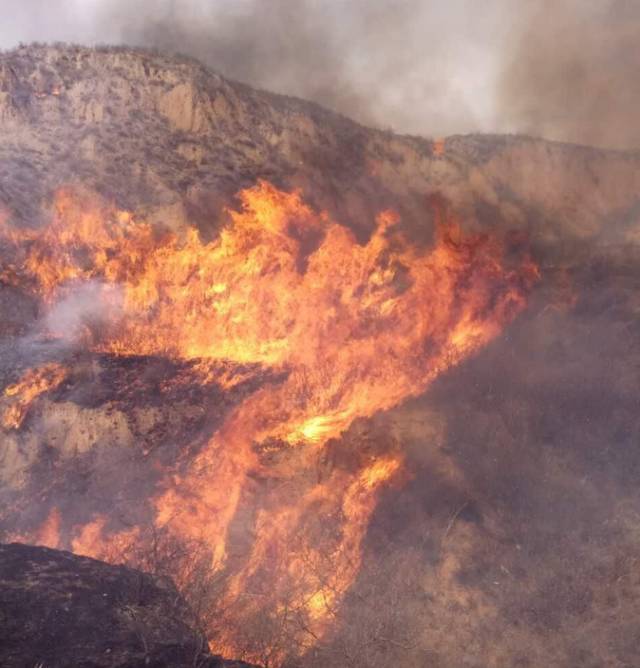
<point x="59" y="610"/>
<point x="108" y="434"/>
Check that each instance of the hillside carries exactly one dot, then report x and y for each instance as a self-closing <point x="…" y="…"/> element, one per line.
<point x="176" y="141"/>
<point x="415" y="445"/>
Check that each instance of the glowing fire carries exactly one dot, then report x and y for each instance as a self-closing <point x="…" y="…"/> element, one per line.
<point x="48" y="534"/>
<point x="19" y="396"/>
<point x="353" y="328"/>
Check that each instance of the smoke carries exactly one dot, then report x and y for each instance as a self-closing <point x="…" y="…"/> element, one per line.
<point x="81" y="311"/>
<point x="384" y="63"/>
<point x="85" y="307"/>
<point x="571" y="73"/>
<point x="566" y="70"/>
<point x="413" y="66"/>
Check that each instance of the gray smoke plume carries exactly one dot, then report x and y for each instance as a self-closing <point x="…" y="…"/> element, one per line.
<point x="572" y="73"/>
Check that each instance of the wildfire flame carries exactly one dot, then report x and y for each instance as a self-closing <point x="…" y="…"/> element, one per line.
<point x="353" y="328"/>
<point x="19" y="396"/>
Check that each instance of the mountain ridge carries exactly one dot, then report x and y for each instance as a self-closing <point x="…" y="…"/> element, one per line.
<point x="174" y="141"/>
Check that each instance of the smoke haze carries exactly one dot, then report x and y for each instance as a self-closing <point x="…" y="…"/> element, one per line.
<point x="571" y="73"/>
<point x="565" y="70"/>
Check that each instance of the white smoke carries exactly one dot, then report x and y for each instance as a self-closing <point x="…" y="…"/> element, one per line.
<point x="80" y="312"/>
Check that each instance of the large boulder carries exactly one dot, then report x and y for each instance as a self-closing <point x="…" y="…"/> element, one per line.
<point x="59" y="610"/>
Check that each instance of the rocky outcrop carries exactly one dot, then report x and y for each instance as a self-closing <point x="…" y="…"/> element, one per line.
<point x="59" y="610"/>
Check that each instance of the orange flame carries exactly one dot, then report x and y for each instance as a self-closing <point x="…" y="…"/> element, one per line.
<point x="354" y="329"/>
<point x="20" y="396"/>
<point x="48" y="534"/>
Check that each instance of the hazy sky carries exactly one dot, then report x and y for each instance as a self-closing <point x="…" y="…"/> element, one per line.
<point x="565" y="69"/>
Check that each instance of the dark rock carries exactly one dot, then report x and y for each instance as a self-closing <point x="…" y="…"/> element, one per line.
<point x="59" y="610"/>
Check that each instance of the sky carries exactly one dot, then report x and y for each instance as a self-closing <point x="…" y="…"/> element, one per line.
<point x="565" y="70"/>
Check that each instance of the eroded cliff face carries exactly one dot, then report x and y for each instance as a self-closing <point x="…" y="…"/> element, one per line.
<point x="175" y="141"/>
<point x="512" y="538"/>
